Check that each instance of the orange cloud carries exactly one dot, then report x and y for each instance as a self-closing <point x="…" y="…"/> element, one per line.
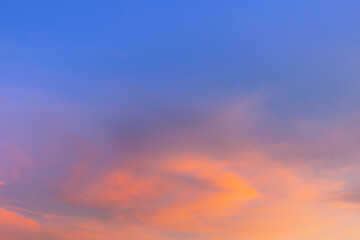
<point x="14" y="226"/>
<point x="249" y="196"/>
<point x="157" y="186"/>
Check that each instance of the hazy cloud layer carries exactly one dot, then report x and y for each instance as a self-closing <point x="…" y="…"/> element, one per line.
<point x="69" y="172"/>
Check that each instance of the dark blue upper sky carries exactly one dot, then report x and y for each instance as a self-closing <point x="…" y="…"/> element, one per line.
<point x="305" y="54"/>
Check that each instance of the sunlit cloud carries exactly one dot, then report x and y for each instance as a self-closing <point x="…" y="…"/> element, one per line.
<point x="219" y="176"/>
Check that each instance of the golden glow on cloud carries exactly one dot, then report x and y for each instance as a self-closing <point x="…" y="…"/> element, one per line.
<point x="216" y="181"/>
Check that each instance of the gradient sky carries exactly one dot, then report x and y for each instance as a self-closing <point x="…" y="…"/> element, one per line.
<point x="179" y="120"/>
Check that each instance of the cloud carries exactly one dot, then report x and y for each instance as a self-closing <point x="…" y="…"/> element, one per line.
<point x="228" y="171"/>
<point x="178" y="191"/>
<point x="14" y="226"/>
<point x="249" y="196"/>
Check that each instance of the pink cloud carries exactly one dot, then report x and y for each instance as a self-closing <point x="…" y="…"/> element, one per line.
<point x="221" y="178"/>
<point x="14" y="226"/>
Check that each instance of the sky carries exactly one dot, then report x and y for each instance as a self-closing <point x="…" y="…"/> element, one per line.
<point x="179" y="120"/>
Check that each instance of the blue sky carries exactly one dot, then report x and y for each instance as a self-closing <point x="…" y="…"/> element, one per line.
<point x="85" y="49"/>
<point x="248" y="109"/>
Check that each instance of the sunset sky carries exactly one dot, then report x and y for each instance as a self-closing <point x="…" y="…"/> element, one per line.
<point x="179" y="120"/>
